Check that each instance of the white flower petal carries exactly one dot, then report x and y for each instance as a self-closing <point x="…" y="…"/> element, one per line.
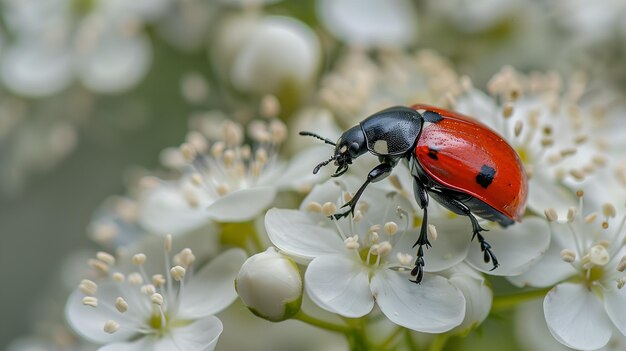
<point x="201" y="335"/>
<point x="478" y="298"/>
<point x="117" y="62"/>
<point x="32" y="69"/>
<point x="299" y="172"/>
<point x="516" y="247"/>
<point x="89" y="322"/>
<point x="299" y="236"/>
<point x="615" y="305"/>
<point x="546" y="192"/>
<point x="165" y="210"/>
<point x="547" y="271"/>
<point x="340" y="285"/>
<point x="576" y="317"/>
<point x="143" y="343"/>
<point x="531" y="329"/>
<point x="433" y="306"/>
<point x="212" y="289"/>
<point x="241" y="205"/>
<point x="371" y="23"/>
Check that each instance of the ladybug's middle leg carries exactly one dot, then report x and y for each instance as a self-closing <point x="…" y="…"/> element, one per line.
<point x="421" y="195"/>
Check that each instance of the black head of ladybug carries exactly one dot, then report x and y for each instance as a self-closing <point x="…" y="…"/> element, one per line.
<point x="390" y="133"/>
<point x="350" y="145"/>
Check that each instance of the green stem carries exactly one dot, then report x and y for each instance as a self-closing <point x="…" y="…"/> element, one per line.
<point x="389" y="340"/>
<point x="439" y="342"/>
<point x="410" y="343"/>
<point x="502" y="303"/>
<point x="358" y="337"/>
<point x="308" y="319"/>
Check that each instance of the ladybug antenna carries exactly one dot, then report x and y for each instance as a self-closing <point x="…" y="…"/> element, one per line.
<point x="325" y="140"/>
<point x="322" y="164"/>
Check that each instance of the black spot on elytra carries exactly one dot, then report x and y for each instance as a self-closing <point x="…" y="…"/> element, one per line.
<point x="432" y="117"/>
<point x="485" y="176"/>
<point x="432" y="153"/>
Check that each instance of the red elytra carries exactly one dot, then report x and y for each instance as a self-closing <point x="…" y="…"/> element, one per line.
<point x="463" y="154"/>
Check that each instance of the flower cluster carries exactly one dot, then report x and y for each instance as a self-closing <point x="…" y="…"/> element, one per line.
<point x="242" y="239"/>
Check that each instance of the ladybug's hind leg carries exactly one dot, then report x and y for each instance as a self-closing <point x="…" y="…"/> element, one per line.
<point x="485" y="247"/>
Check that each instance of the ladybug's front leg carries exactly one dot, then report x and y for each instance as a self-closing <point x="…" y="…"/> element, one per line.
<point x="378" y="173"/>
<point x="421" y="195"/>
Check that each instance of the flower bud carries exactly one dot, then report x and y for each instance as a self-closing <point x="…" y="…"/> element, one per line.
<point x="270" y="285"/>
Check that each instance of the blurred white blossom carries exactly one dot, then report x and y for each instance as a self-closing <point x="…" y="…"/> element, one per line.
<point x="370" y="23"/>
<point x="266" y="54"/>
<point x="55" y="41"/>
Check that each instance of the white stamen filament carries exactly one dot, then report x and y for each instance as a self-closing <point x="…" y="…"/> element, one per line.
<point x="391" y="228"/>
<point x="551" y="214"/>
<point x="314" y="207"/>
<point x="432" y="232"/>
<point x="118" y="277"/>
<point x="178" y="273"/>
<point x="329" y="209"/>
<point x="135" y="279"/>
<point x="568" y="255"/>
<point x="121" y="305"/>
<point x="111" y="326"/>
<point x="88" y="287"/>
<point x="90" y="301"/>
<point x="106" y="258"/>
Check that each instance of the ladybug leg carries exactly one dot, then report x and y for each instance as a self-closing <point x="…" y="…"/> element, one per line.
<point x="485" y="247"/>
<point x="421" y="195"/>
<point x="378" y="173"/>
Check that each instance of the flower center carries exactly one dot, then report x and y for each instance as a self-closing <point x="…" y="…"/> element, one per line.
<point x="161" y="292"/>
<point x="159" y="322"/>
<point x="524" y="155"/>
<point x="595" y="274"/>
<point x="229" y="164"/>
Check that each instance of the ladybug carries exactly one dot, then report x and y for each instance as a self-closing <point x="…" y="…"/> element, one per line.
<point x="461" y="163"/>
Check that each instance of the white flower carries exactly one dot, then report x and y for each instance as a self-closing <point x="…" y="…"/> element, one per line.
<point x="266" y="55"/>
<point x="355" y="262"/>
<point x="269" y="284"/>
<point x="370" y="23"/>
<point x="544" y="123"/>
<point x="99" y="42"/>
<point x="175" y="309"/>
<point x="226" y="180"/>
<point x="586" y="262"/>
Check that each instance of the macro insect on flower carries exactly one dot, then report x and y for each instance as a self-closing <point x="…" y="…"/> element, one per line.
<point x="464" y="165"/>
